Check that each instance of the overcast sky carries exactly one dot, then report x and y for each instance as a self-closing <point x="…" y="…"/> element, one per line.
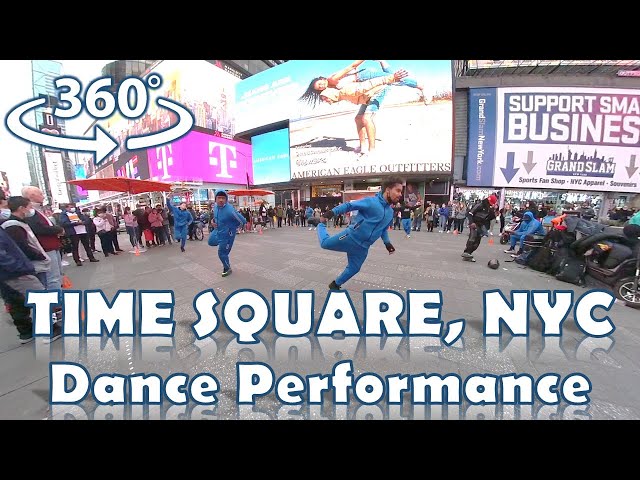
<point x="15" y="88"/>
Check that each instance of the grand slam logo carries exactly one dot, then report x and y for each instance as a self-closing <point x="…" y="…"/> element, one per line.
<point x="581" y="165"/>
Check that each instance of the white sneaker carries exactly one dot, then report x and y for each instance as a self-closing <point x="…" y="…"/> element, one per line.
<point x="491" y="233"/>
<point x="310" y="228"/>
<point x="439" y="231"/>
<point x="408" y="236"/>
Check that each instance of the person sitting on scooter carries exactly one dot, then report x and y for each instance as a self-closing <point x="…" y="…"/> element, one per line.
<point x="528" y="226"/>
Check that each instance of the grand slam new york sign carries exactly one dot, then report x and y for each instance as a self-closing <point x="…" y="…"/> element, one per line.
<point x="571" y="138"/>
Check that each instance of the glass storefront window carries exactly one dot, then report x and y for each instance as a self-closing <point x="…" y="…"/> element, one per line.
<point x="557" y="201"/>
<point x="326" y="191"/>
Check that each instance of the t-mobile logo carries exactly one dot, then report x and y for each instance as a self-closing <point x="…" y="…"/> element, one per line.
<point x="224" y="164"/>
<point x="165" y="160"/>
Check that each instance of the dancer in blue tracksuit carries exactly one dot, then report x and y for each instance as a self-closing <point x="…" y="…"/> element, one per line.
<point x="308" y="213"/>
<point x="375" y="215"/>
<point x="227" y="220"/>
<point x="181" y="220"/>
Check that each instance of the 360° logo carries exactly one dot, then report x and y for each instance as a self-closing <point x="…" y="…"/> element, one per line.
<point x="100" y="103"/>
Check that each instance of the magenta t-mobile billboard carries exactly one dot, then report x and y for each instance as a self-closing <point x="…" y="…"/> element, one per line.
<point x="201" y="157"/>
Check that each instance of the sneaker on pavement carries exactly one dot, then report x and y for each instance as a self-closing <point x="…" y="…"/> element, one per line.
<point x="226" y="273"/>
<point x="26" y="338"/>
<point x="56" y="333"/>
<point x="466" y="255"/>
<point x="510" y="250"/>
<point x="334" y="286"/>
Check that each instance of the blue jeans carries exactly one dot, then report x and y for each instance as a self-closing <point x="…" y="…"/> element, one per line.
<point x="369" y="73"/>
<point x="133" y="235"/>
<point x="54" y="275"/>
<point x="406" y="224"/>
<point x="342" y="242"/>
<point x="374" y="104"/>
<point x="417" y="223"/>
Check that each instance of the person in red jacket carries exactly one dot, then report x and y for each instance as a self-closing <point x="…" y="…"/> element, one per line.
<point x="47" y="234"/>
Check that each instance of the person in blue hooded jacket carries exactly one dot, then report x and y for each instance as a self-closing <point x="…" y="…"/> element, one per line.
<point x="17" y="276"/>
<point x="308" y="213"/>
<point x="227" y="220"/>
<point x="528" y="226"/>
<point x="375" y="216"/>
<point x="182" y="218"/>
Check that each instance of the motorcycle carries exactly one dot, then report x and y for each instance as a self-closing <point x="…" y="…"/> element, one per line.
<point x="623" y="279"/>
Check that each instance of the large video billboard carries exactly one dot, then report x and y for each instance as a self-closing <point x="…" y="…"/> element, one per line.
<point x="204" y="89"/>
<point x="358" y="121"/>
<point x="201" y="157"/>
<point x="571" y="138"/>
<point x="270" y="152"/>
<point x="132" y="164"/>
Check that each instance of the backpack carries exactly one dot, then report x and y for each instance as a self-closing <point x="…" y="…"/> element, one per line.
<point x="542" y="260"/>
<point x="572" y="270"/>
<point x="558" y="259"/>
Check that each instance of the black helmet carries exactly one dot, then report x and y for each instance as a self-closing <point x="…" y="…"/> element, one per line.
<point x="494" y="264"/>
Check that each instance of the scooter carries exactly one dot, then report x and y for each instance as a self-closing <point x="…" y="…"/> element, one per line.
<point x="508" y="229"/>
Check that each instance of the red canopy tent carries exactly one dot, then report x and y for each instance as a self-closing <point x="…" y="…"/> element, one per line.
<point x="131" y="186"/>
<point x="250" y="193"/>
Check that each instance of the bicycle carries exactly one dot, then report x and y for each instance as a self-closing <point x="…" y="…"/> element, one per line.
<point x="198" y="231"/>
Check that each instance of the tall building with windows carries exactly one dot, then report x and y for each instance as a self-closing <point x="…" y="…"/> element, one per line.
<point x="47" y="167"/>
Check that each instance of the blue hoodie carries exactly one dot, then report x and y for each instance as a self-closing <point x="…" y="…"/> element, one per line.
<point x="375" y="216"/>
<point x="13" y="262"/>
<point x="530" y="226"/>
<point x="308" y="213"/>
<point x="227" y="218"/>
<point x="181" y="218"/>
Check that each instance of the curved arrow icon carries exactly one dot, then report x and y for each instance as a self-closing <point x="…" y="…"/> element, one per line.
<point x="185" y="122"/>
<point x="101" y="144"/>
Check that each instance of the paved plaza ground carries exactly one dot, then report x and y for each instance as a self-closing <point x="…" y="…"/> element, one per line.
<point x="290" y="258"/>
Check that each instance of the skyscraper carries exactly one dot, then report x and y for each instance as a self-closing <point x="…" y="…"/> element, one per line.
<point x="43" y="74"/>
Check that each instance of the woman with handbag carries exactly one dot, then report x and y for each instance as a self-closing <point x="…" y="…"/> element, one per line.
<point x="225" y="223"/>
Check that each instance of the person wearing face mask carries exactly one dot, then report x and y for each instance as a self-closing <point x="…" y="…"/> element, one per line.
<point x="18" y="229"/>
<point x="75" y="228"/>
<point x="182" y="219"/>
<point x="103" y="230"/>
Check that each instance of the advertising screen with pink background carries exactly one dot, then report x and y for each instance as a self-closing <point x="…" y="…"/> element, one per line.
<point x="201" y="157"/>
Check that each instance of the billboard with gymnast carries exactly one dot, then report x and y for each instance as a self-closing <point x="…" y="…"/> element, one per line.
<point x="358" y="117"/>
